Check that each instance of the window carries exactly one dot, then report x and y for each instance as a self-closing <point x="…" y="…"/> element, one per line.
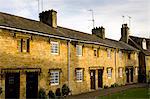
<point x="129" y="55"/>
<point x="120" y="54"/>
<point x="136" y="71"/>
<point x="54" y="47"/>
<point x="108" y="53"/>
<point x="120" y="72"/>
<point x="54" y="77"/>
<point x="79" y="50"/>
<point x="79" y="75"/>
<point x="96" y="52"/>
<point x="109" y="73"/>
<point x="144" y="44"/>
<point x="23" y="45"/>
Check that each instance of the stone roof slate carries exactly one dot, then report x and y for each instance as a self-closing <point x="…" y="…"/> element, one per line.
<point x="17" y="22"/>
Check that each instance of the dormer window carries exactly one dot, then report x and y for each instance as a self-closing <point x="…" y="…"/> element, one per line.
<point x="144" y="44"/>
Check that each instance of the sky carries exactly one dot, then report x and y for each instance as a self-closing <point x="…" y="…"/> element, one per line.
<point x="75" y="14"/>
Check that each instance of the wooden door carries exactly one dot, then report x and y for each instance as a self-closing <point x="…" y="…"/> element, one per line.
<point x="131" y="74"/>
<point x="32" y="85"/>
<point x="92" y="77"/>
<point x="100" y="78"/>
<point x="12" y="86"/>
<point x="127" y="75"/>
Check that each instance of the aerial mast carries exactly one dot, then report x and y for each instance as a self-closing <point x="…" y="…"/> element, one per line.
<point x="93" y="21"/>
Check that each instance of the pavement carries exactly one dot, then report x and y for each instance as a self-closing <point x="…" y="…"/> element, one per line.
<point x="103" y="92"/>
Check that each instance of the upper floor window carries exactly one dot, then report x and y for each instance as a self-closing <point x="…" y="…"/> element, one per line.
<point x="144" y="44"/>
<point x="79" y="75"/>
<point x="108" y="53"/>
<point x="54" y="77"/>
<point x="54" y="47"/>
<point x="79" y="50"/>
<point x="96" y="52"/>
<point x="129" y="55"/>
<point x="120" y="54"/>
<point x="23" y="45"/>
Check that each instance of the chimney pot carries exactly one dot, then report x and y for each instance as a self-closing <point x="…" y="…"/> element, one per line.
<point x="99" y="31"/>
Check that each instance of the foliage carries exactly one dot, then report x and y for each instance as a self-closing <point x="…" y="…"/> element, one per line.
<point x="58" y="93"/>
<point x="42" y="94"/>
<point x="65" y="90"/>
<point x="105" y="86"/>
<point x="1" y="90"/>
<point x="114" y="85"/>
<point x="51" y="95"/>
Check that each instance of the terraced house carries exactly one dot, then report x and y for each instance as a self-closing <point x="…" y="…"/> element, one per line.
<point x="143" y="44"/>
<point x="40" y="54"/>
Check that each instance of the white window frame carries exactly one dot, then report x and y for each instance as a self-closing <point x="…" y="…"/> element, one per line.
<point x="79" y="75"/>
<point x="54" y="77"/>
<point x="144" y="44"/>
<point x="121" y="72"/>
<point x="54" y="48"/>
<point x="120" y="54"/>
<point x="136" y="71"/>
<point x="79" y="50"/>
<point x="109" y="73"/>
<point x="109" y="53"/>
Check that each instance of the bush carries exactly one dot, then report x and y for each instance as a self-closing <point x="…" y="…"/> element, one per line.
<point x="58" y="93"/>
<point x="114" y="85"/>
<point x="105" y="86"/>
<point x="1" y="90"/>
<point x="42" y="94"/>
<point x="51" y="95"/>
<point x="65" y="90"/>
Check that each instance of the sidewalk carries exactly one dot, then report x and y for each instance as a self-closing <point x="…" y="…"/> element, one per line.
<point x="101" y="92"/>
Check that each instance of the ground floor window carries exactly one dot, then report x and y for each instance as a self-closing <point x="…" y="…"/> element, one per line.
<point x="79" y="75"/>
<point x="109" y="73"/>
<point x="54" y="77"/>
<point x="120" y="72"/>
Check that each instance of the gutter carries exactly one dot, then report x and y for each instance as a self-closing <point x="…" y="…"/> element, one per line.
<point x="49" y="35"/>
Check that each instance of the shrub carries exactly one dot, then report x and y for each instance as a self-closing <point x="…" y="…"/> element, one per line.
<point x="1" y="90"/>
<point x="65" y="90"/>
<point x="58" y="93"/>
<point x="51" y="95"/>
<point x="114" y="85"/>
<point x="105" y="86"/>
<point x="42" y="94"/>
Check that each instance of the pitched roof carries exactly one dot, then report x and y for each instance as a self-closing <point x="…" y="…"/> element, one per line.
<point x="17" y="22"/>
<point x="137" y="41"/>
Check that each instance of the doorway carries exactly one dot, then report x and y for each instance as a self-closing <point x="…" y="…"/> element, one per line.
<point x="100" y="78"/>
<point x="32" y="85"/>
<point x="92" y="77"/>
<point x="12" y="85"/>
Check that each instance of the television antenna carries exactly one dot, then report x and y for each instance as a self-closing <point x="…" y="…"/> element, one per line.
<point x="93" y="21"/>
<point x="40" y="5"/>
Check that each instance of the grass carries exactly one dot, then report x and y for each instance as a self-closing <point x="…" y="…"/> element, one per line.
<point x="135" y="93"/>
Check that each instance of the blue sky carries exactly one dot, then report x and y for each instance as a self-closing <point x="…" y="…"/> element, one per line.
<point x="74" y="14"/>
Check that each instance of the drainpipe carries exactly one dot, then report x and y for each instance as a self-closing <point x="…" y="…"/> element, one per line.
<point x="115" y="66"/>
<point x="69" y="63"/>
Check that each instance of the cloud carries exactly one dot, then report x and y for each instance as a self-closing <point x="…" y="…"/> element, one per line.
<point x="74" y="13"/>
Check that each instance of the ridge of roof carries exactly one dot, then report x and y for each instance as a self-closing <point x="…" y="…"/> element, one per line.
<point x="18" y="22"/>
<point x="139" y="37"/>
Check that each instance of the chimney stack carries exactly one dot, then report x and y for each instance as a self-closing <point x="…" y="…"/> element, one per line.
<point x="49" y="17"/>
<point x="124" y="33"/>
<point x="99" y="31"/>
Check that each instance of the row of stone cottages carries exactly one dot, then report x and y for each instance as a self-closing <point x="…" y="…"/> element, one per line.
<point x="40" y="54"/>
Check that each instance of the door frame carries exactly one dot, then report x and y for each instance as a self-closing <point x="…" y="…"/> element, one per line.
<point x="92" y="79"/>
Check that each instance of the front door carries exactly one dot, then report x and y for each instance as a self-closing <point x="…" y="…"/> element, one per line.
<point x="131" y="74"/>
<point x="92" y="77"/>
<point x="31" y="85"/>
<point x="100" y="78"/>
<point x="127" y="75"/>
<point x="12" y="85"/>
